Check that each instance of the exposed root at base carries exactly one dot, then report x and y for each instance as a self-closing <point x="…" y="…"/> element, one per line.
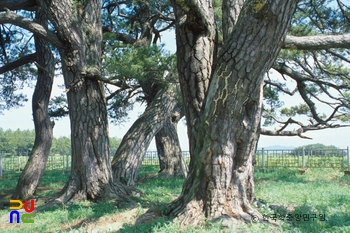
<point x="193" y="214"/>
<point x="117" y="191"/>
<point x="148" y="217"/>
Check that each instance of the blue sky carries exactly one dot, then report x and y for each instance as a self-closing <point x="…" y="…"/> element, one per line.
<point x="22" y="118"/>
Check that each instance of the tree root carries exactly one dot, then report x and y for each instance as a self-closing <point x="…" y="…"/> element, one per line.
<point x="70" y="193"/>
<point x="193" y="214"/>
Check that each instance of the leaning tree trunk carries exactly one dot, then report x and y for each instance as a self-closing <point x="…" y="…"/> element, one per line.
<point x="35" y="167"/>
<point x="168" y="145"/>
<point x="171" y="161"/>
<point x="131" y="151"/>
<point x="78" y="25"/>
<point x="220" y="181"/>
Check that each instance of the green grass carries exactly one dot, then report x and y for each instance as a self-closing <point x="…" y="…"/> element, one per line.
<point x="318" y="191"/>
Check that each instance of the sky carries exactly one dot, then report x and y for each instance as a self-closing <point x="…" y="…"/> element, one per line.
<point x="21" y="118"/>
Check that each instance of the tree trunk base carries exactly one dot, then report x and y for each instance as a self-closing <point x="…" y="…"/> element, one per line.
<point x="193" y="214"/>
<point x="169" y="173"/>
<point x="116" y="190"/>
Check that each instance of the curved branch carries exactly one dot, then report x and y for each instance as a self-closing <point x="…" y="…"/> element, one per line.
<point x="20" y="62"/>
<point x="281" y="88"/>
<point x="28" y="5"/>
<point x="286" y="70"/>
<point x="197" y="18"/>
<point x="317" y="42"/>
<point x="123" y="37"/>
<point x="338" y="55"/>
<point x="300" y="131"/>
<point x="35" y="28"/>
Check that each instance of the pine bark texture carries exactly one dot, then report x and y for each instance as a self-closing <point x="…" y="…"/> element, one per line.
<point x="35" y="167"/>
<point x="79" y="28"/>
<point x="131" y="151"/>
<point x="151" y="85"/>
<point x="220" y="181"/>
<point x="196" y="49"/>
<point x="171" y="160"/>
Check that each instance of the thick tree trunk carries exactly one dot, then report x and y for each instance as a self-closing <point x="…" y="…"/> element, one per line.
<point x="171" y="161"/>
<point x="196" y="50"/>
<point x="78" y="26"/>
<point x="35" y="167"/>
<point x="130" y="153"/>
<point x="220" y="181"/>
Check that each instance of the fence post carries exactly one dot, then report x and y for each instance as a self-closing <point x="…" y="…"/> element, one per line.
<point x="67" y="162"/>
<point x="0" y="165"/>
<point x="348" y="158"/>
<point x="302" y="170"/>
<point x="310" y="157"/>
<point x="303" y="159"/>
<point x="347" y="172"/>
<point x="19" y="163"/>
<point x="263" y="158"/>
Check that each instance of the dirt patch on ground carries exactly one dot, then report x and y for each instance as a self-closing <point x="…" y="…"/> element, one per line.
<point x="110" y="223"/>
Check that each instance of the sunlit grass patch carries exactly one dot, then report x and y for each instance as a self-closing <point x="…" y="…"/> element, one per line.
<point x="318" y="191"/>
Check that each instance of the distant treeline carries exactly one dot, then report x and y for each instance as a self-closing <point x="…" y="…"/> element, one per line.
<point x="317" y="149"/>
<point x="20" y="142"/>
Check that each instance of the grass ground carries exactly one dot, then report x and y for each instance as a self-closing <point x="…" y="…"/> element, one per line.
<point x="298" y="203"/>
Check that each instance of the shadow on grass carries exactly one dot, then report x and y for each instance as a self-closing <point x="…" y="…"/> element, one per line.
<point x="150" y="226"/>
<point x="50" y="183"/>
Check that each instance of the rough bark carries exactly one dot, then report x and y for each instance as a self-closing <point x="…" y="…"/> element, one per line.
<point x="317" y="42"/>
<point x="230" y="17"/>
<point x="171" y="161"/>
<point x="130" y="153"/>
<point x="34" y="27"/>
<point x="220" y="181"/>
<point x="151" y="84"/>
<point x="35" y="167"/>
<point x="196" y="49"/>
<point x="28" y="5"/>
<point x="20" y="62"/>
<point x="79" y="29"/>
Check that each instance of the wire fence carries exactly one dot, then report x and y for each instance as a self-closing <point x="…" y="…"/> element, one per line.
<point x="339" y="158"/>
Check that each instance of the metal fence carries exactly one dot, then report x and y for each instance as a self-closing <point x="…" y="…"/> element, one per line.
<point x="13" y="163"/>
<point x="263" y="158"/>
<point x="339" y="158"/>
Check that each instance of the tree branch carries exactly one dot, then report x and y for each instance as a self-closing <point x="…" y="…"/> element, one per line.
<point x="196" y="15"/>
<point x="35" y="28"/>
<point x="123" y="37"/>
<point x="338" y="55"/>
<point x="284" y="69"/>
<point x="300" y="131"/>
<point x="280" y="87"/>
<point x="28" y="5"/>
<point x="317" y="42"/>
<point x="20" y="62"/>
